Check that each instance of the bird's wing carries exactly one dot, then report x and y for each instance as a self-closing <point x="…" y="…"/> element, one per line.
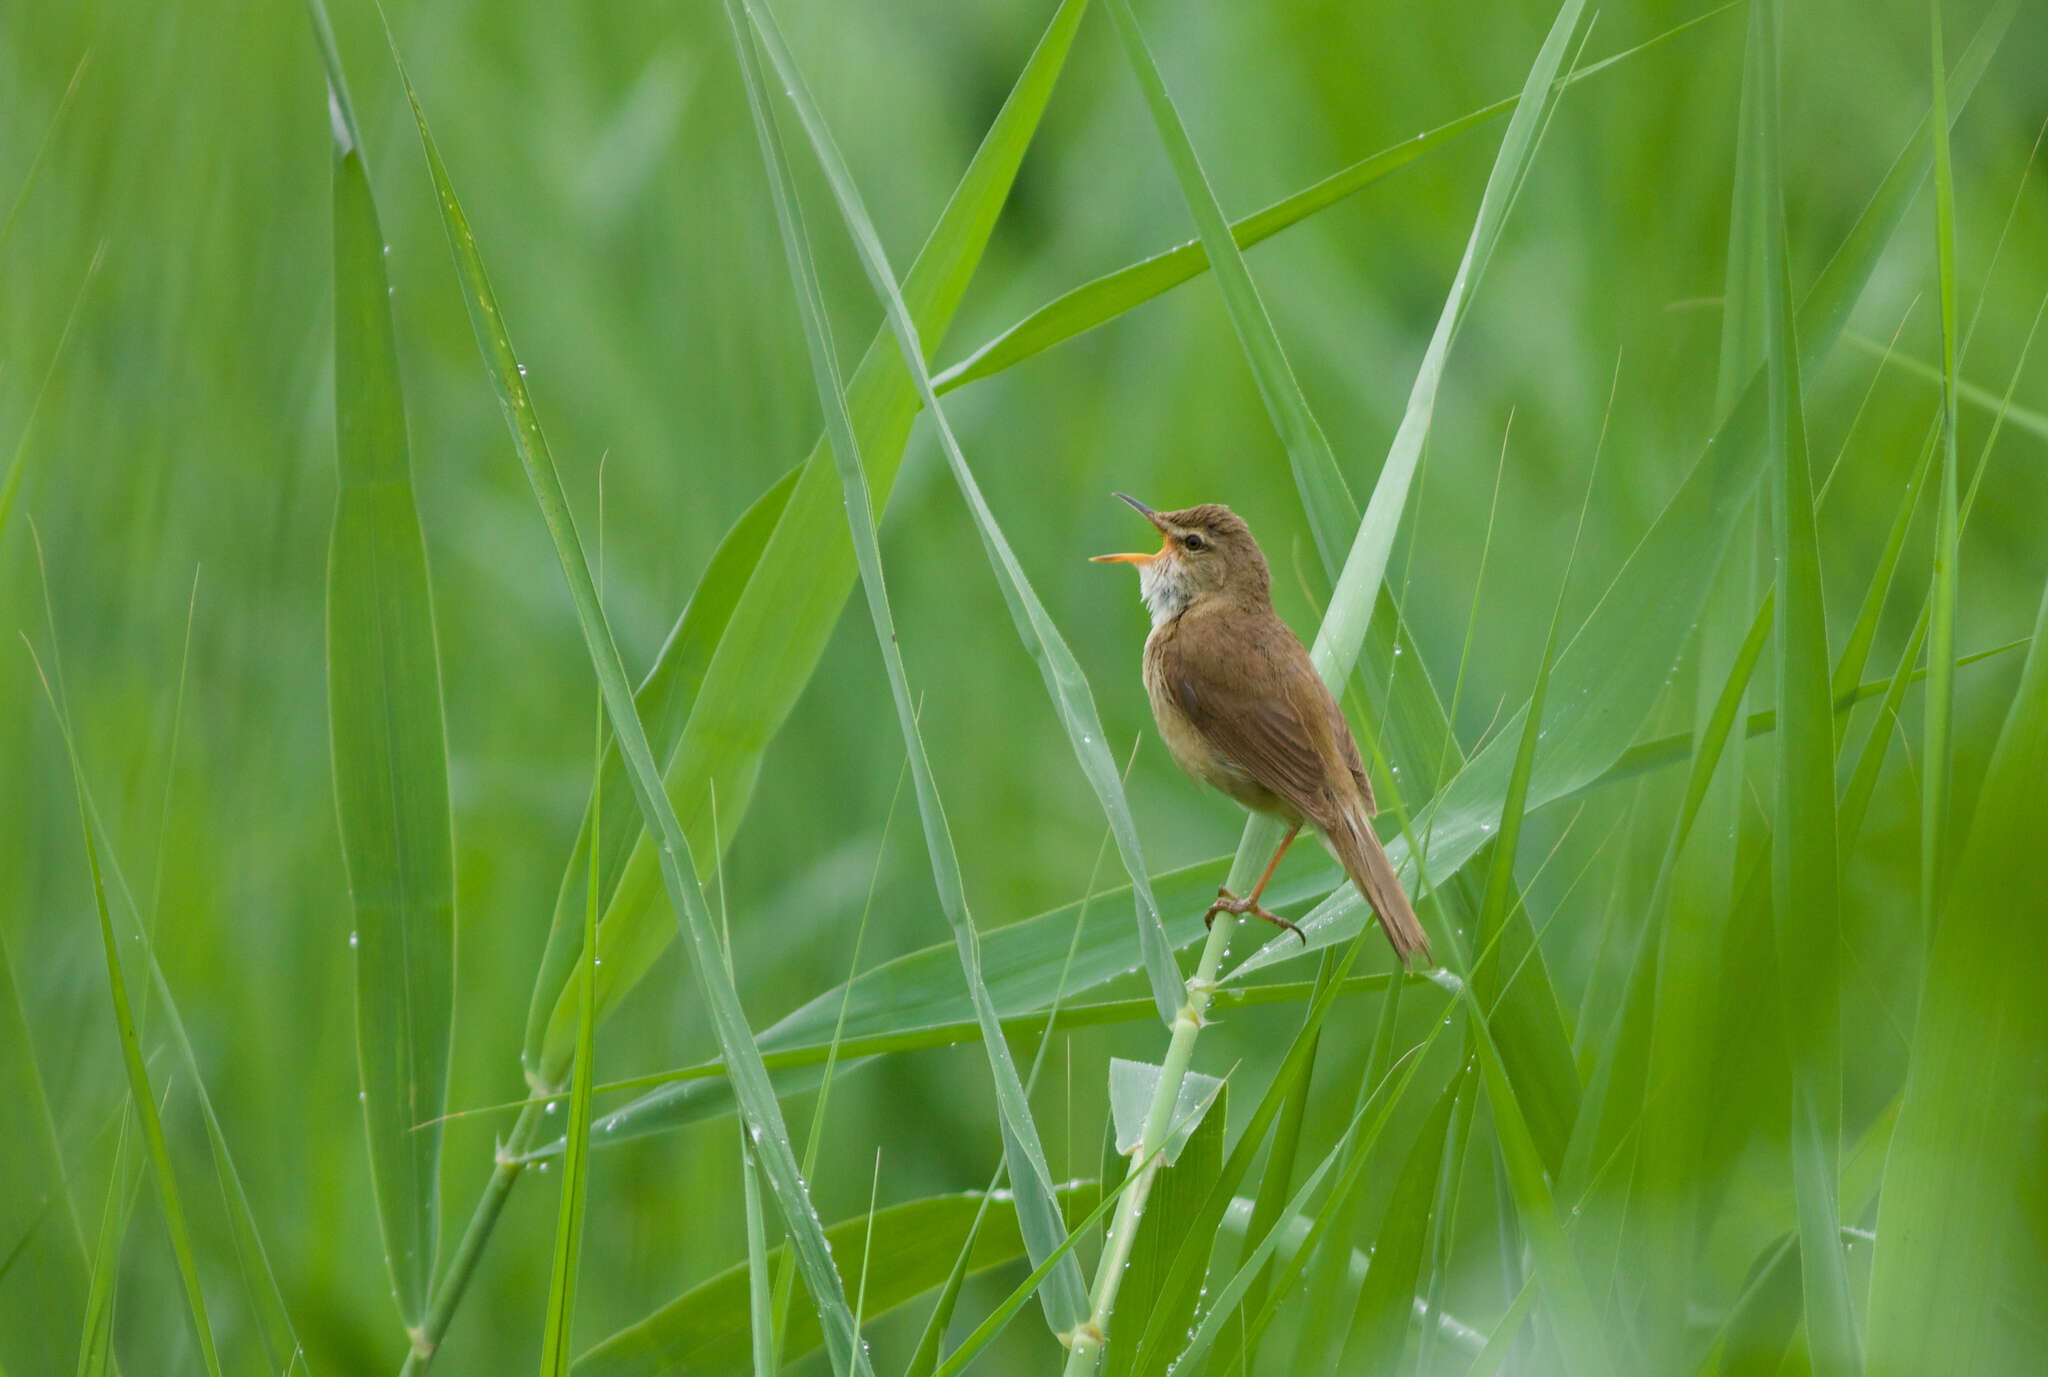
<point x="1273" y="719"/>
<point x="1342" y="730"/>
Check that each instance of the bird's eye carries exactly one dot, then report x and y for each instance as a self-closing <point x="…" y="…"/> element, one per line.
<point x="1193" y="540"/>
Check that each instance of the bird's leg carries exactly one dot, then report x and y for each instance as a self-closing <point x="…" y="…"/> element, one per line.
<point x="1226" y="902"/>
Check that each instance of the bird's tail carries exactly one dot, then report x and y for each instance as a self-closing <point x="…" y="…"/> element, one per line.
<point x="1365" y="860"/>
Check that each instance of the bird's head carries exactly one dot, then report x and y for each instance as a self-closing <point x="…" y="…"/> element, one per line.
<point x="1208" y="553"/>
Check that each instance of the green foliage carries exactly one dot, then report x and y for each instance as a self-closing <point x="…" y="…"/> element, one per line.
<point x="1730" y="846"/>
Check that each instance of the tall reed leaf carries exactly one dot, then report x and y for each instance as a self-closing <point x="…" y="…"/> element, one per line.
<point x="41" y="1306"/>
<point x="771" y="642"/>
<point x="1064" y="680"/>
<point x="17" y="465"/>
<point x="96" y="1342"/>
<point x="1332" y="512"/>
<point x="1115" y="294"/>
<point x="273" y="1322"/>
<point x="663" y="700"/>
<point x="1613" y="669"/>
<point x="1803" y="861"/>
<point x="1386" y="1303"/>
<point x="390" y="749"/>
<point x="554" y="1347"/>
<point x="1958" y="1279"/>
<point x="1936" y="752"/>
<point x="1031" y="1179"/>
<point x="705" y="1330"/>
<point x="749" y="1078"/>
<point x="141" y="1095"/>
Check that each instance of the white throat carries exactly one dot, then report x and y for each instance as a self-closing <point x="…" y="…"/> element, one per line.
<point x="1165" y="595"/>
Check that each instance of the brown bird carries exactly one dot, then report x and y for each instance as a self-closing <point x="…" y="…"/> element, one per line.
<point x="1242" y="708"/>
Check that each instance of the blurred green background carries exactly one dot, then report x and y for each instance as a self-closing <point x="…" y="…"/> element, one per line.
<point x="606" y="163"/>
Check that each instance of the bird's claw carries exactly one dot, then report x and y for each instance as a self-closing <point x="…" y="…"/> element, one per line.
<point x="1226" y="902"/>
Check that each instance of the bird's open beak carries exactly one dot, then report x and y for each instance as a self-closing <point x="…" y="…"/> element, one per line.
<point x="1156" y="519"/>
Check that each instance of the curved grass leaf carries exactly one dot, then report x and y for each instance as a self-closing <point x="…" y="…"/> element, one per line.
<point x="1350" y="1152"/>
<point x="749" y="1078"/>
<point x="663" y="700"/>
<point x="1037" y="1213"/>
<point x="1386" y="1303"/>
<point x="778" y="628"/>
<point x="1936" y="753"/>
<point x="40" y="1234"/>
<point x="1613" y="669"/>
<point x="917" y="1000"/>
<point x="17" y="465"/>
<point x="1105" y="298"/>
<point x="1542" y="1048"/>
<point x="705" y="1331"/>
<point x="1804" y="865"/>
<point x="1064" y="681"/>
<point x="561" y="1307"/>
<point x="96" y="1344"/>
<point x="390" y="750"/>
<point x="1959" y="1272"/>
<point x="1332" y="512"/>
<point x="1172" y="1208"/>
<point x="141" y="1096"/>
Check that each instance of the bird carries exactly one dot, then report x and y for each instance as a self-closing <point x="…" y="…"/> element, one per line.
<point x="1241" y="708"/>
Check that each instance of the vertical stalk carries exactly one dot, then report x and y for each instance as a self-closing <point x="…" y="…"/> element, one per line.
<point x="1084" y="1356"/>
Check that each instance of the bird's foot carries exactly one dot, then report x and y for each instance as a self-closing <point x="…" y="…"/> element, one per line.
<point x="1226" y="902"/>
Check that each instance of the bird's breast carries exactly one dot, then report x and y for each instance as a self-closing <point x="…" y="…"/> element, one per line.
<point x="1190" y="748"/>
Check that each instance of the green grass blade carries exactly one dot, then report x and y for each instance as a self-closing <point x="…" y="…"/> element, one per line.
<point x="1332" y="511"/>
<point x="1556" y="1267"/>
<point x="1386" y="1304"/>
<point x="1804" y="862"/>
<point x="1337" y="640"/>
<point x="1105" y="298"/>
<point x="1501" y="1342"/>
<point x="1350" y="1153"/>
<point x="43" y="145"/>
<point x="390" y="754"/>
<point x="1612" y="671"/>
<point x="39" y="1225"/>
<point x="1614" y="1093"/>
<point x="273" y="1320"/>
<point x="663" y="700"/>
<point x="749" y="1078"/>
<point x="17" y="464"/>
<point x="279" y="1335"/>
<point x="761" y="1312"/>
<point x="2027" y="419"/>
<point x="1444" y="1217"/>
<point x="1855" y="655"/>
<point x="1064" y="681"/>
<point x="705" y="1330"/>
<point x="785" y="1275"/>
<point x="1277" y="1181"/>
<point x="1037" y="1214"/>
<point x="96" y="1345"/>
<point x="141" y="1095"/>
<point x="1365" y="565"/>
<point x="561" y="1307"/>
<point x="999" y="1318"/>
<point x="1191" y="1263"/>
<point x="1958" y="1273"/>
<point x="1936" y="750"/>
<point x="1501" y="893"/>
<point x="1171" y="1209"/>
<point x="778" y="630"/>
